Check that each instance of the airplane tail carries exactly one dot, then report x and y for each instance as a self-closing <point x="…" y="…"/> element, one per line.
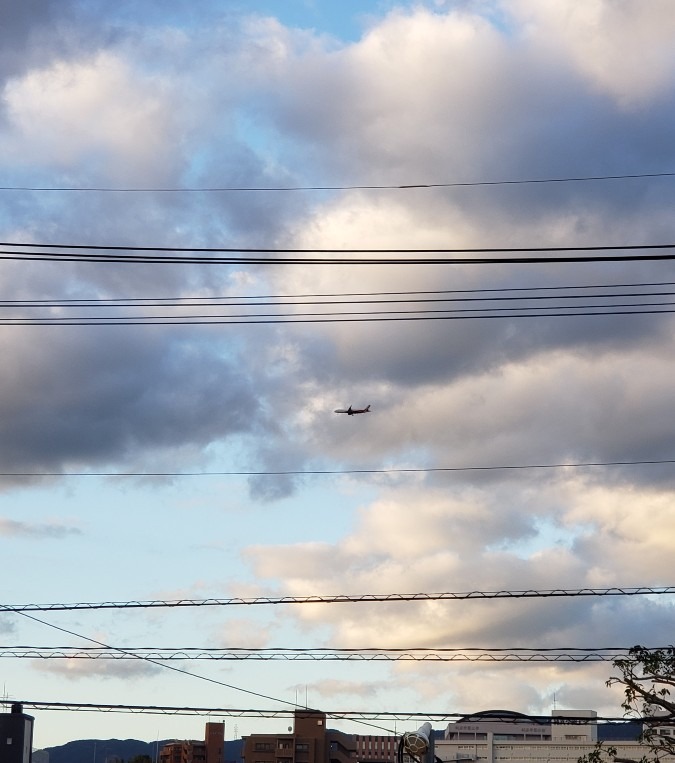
<point x="368" y="407"/>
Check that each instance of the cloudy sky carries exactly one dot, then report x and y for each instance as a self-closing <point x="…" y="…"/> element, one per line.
<point x="119" y="122"/>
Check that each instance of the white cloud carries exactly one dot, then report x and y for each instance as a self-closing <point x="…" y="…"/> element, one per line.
<point x="624" y="47"/>
<point x="97" y="110"/>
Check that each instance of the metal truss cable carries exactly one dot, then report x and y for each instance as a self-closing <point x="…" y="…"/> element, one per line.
<point x="343" y="599"/>
<point x="353" y="715"/>
<point x="151" y="661"/>
<point x="346" y="472"/>
<point x="166" y="666"/>
<point x="469" y="654"/>
<point x="396" y="187"/>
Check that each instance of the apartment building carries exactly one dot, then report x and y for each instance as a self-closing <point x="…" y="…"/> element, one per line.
<point x="307" y="742"/>
<point x="194" y="751"/>
<point x="371" y="748"/>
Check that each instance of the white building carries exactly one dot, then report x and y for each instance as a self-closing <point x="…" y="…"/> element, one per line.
<point x="501" y="736"/>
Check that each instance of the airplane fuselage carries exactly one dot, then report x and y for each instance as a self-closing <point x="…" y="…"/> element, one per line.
<point x="353" y="411"/>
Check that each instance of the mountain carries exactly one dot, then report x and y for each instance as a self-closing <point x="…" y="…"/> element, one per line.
<point x="98" y="750"/>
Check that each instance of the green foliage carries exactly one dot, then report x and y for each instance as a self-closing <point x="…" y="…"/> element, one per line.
<point x="600" y="754"/>
<point x="647" y="677"/>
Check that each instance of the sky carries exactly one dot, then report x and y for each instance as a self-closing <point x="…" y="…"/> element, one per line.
<point x="165" y="461"/>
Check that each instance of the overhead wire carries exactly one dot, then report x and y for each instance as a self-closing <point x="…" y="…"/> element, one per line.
<point x="170" y="254"/>
<point x="536" y="311"/>
<point x="276" y="321"/>
<point x="171" y="300"/>
<point x="345" y="472"/>
<point x="323" y="654"/>
<point x="173" y="668"/>
<point x="525" y="302"/>
<point x="344" y="599"/>
<point x="152" y="661"/>
<point x="330" y="299"/>
<point x="370" y="187"/>
<point x="348" y="715"/>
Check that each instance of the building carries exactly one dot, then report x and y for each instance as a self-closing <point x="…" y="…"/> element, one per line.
<point x="501" y="736"/>
<point x="214" y="739"/>
<point x="371" y="748"/>
<point x="16" y="736"/>
<point x="211" y="750"/>
<point x="307" y="742"/>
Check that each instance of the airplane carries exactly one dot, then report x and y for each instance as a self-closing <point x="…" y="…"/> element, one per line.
<point x="353" y="411"/>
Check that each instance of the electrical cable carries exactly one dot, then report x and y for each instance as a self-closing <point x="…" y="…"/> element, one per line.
<point x="349" y="715"/>
<point x="346" y="472"/>
<point x="100" y="248"/>
<point x="154" y="301"/>
<point x="156" y="662"/>
<point x="183" y="302"/>
<point x="164" y="665"/>
<point x="403" y="187"/>
<point x="296" y="318"/>
<point x="323" y="654"/>
<point x="440" y="313"/>
<point x="342" y="599"/>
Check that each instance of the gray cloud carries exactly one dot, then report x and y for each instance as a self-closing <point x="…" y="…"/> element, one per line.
<point x="81" y="669"/>
<point x="87" y="398"/>
<point x="11" y="528"/>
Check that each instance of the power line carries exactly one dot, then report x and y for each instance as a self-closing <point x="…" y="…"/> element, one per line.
<point x="341" y="599"/>
<point x="101" y="248"/>
<point x="281" y="301"/>
<point x="166" y="666"/>
<point x="288" y="321"/>
<point x="397" y="187"/>
<point x="154" y="662"/>
<point x="336" y="316"/>
<point x="166" y="301"/>
<point x="344" y="472"/>
<point x="371" y="654"/>
<point x="353" y="715"/>
<point x="486" y="303"/>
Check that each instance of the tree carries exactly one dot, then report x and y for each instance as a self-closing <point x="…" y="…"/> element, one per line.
<point x="141" y="759"/>
<point x="647" y="676"/>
